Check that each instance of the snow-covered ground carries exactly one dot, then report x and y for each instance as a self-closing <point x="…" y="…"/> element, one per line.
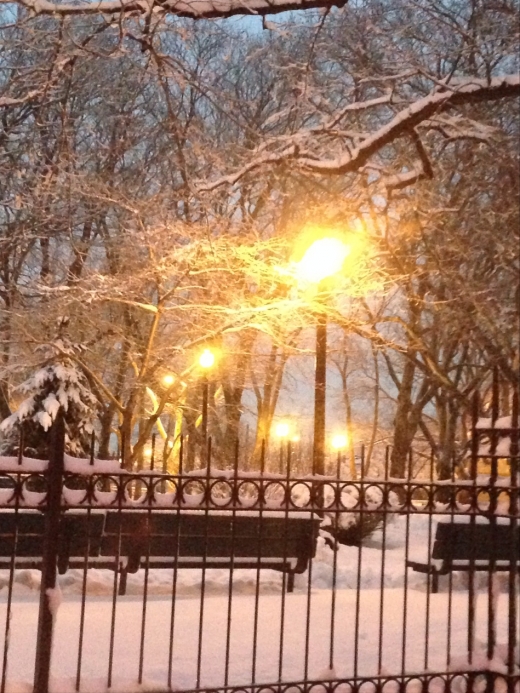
<point x="403" y="614"/>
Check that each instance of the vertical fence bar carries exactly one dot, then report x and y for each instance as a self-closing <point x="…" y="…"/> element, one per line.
<point x="149" y="529"/>
<point x="261" y="504"/>
<point x="119" y="583"/>
<point x="453" y="507"/>
<point x="408" y="510"/>
<point x="49" y="558"/>
<point x="474" y="507"/>
<point x="285" y="587"/>
<point x="20" y="448"/>
<point x="84" y="594"/>
<point x="90" y="497"/>
<point x="357" y="609"/>
<point x="308" y="613"/>
<point x="234" y="505"/>
<point x="493" y="503"/>
<point x="176" y="537"/>
<point x="336" y="507"/>
<point x="514" y="499"/>
<point x="386" y="511"/>
<point x="430" y="502"/>
<point x="152" y="456"/>
<point x="207" y="504"/>
<point x="10" y="584"/>
<point x="92" y="448"/>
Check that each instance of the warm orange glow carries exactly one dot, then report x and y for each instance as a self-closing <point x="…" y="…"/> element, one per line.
<point x="207" y="359"/>
<point x="168" y="380"/>
<point x="323" y="258"/>
<point x="295" y="439"/>
<point x="339" y="441"/>
<point x="282" y="429"/>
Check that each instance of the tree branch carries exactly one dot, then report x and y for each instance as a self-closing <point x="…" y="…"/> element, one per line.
<point x="471" y="90"/>
<point x="193" y="9"/>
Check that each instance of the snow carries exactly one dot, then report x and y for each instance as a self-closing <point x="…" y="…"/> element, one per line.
<point x="75" y="465"/>
<point x="37" y="381"/>
<point x="54" y="598"/>
<point x="501" y="422"/>
<point x="80" y="465"/>
<point x="28" y="464"/>
<point x="51" y="405"/>
<point x="44" y="419"/>
<point x="502" y="448"/>
<point x="403" y="621"/>
<point x="195" y="9"/>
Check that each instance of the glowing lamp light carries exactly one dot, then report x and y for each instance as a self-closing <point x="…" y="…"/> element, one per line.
<point x="207" y="359"/>
<point x="168" y="380"/>
<point x="322" y="259"/>
<point x="147" y="451"/>
<point x="282" y="430"/>
<point x="339" y="442"/>
<point x="295" y="439"/>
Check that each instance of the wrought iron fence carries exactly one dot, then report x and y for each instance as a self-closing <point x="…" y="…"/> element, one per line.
<point x="253" y="581"/>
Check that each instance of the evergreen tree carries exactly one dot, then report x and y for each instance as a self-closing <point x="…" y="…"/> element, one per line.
<point x="57" y="383"/>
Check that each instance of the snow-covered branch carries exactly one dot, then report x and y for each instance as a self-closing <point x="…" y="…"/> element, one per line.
<point x="254" y="164"/>
<point x="422" y="111"/>
<point x="193" y="9"/>
<point x="468" y="91"/>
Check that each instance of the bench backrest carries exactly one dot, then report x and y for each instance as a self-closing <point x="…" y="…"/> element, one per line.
<point x="199" y="535"/>
<point x="478" y="542"/>
<point x="165" y="534"/>
<point x="22" y="533"/>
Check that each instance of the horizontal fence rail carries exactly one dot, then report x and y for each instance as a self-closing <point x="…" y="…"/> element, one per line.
<point x="261" y="582"/>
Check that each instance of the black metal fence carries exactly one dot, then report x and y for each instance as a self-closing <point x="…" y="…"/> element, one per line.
<point x="254" y="581"/>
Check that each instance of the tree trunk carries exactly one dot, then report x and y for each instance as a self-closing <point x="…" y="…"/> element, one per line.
<point x="375" y="419"/>
<point x="105" y="419"/>
<point x="348" y="422"/>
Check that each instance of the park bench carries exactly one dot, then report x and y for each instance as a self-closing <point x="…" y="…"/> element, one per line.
<point x="126" y="540"/>
<point x="467" y="546"/>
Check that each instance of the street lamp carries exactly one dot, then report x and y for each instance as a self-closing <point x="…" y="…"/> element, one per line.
<point x="206" y="362"/>
<point x="282" y="429"/>
<point x="322" y="259"/>
<point x="339" y="441"/>
<point x="168" y="380"/>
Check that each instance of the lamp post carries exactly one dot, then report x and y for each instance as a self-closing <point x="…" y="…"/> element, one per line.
<point x="339" y="442"/>
<point x="320" y="395"/>
<point x="206" y="361"/>
<point x="282" y="431"/>
<point x="322" y="259"/>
